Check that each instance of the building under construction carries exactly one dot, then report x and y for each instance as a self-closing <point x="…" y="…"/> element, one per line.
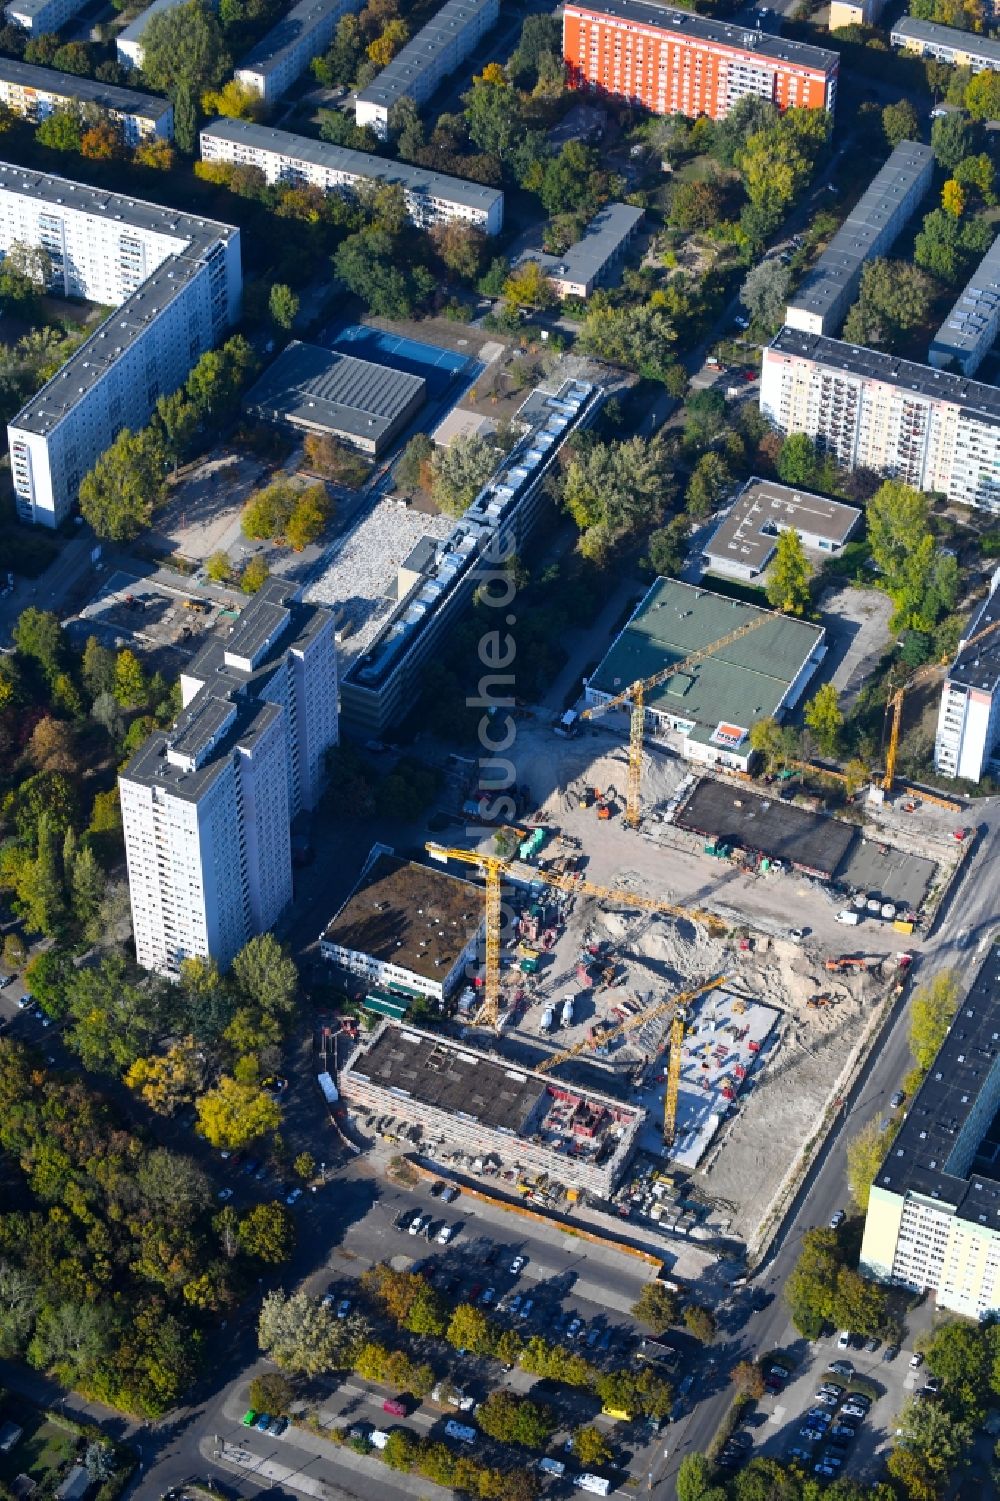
<point x="453" y="1097"/>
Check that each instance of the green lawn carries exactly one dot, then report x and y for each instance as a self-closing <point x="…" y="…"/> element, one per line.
<point x="43" y="1450"/>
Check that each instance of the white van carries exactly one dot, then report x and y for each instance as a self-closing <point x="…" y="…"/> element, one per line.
<point x="595" y="1483"/>
<point x="847" y="916"/>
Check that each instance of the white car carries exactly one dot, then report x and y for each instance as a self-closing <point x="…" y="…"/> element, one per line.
<point x="916" y="1361"/>
<point x="837" y="1219"/>
<point x="445" y="1234"/>
<point x="416" y="1224"/>
<point x="518" y="1265"/>
<point x="844" y="1340"/>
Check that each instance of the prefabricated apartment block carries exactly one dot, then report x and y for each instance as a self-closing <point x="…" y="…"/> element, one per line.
<point x="431" y="197"/>
<point x="596" y="258"/>
<point x="42" y="16"/>
<point x="706" y="712"/>
<point x="744" y="542"/>
<point x="426" y="61"/>
<point x="968" y="727"/>
<point x="382" y="683"/>
<point x="406" y="925"/>
<point x="970" y="330"/>
<point x="288" y="49"/>
<point x="820" y="303"/>
<point x="207" y="804"/>
<point x="34" y="92"/>
<point x="963" y="49"/>
<point x="315" y="390"/>
<point x="175" y="283"/>
<point x="452" y="1096"/>
<point x="933" y="1220"/>
<point x="932" y="429"/>
<point x="675" y="62"/>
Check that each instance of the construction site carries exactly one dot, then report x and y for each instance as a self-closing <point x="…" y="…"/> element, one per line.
<point x="707" y="953"/>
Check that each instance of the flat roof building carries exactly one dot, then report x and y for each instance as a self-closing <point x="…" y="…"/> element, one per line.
<point x="449" y="1096"/>
<point x="437" y="583"/>
<point x="207" y="805"/>
<point x="932" y="429"/>
<point x="744" y="542"/>
<point x="855" y="13"/>
<point x="964" y="49"/>
<point x="42" y="16"/>
<point x="970" y="330"/>
<point x="596" y="258"/>
<point x="406" y="925"/>
<point x="876" y="220"/>
<point x="288" y="49"/>
<point x="968" y="728"/>
<point x="175" y="282"/>
<point x="431" y="197"/>
<point x="706" y="712"/>
<point x="34" y="93"/>
<point x="933" y="1221"/>
<point x="420" y="67"/>
<point x="317" y="390"/>
<point x="675" y="62"/>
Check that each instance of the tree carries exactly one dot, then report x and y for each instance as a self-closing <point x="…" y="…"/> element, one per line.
<point x="266" y="975"/>
<point x="460" y="247"/>
<point x="302" y="1336"/>
<point x="73" y="57"/>
<point x="699" y="1322"/>
<point x="232" y="1114"/>
<point x="787" y="584"/>
<point x="309" y="518"/>
<point x="469" y="1329"/>
<point x="900" y="123"/>
<point x="119" y="494"/>
<point x="591" y="1447"/>
<point x="184" y="46"/>
<point x="59" y="131"/>
<point x="797" y="461"/>
<point x="931" y="1011"/>
<point x="131" y="689"/>
<point x="185" y="115"/>
<point x="708" y="485"/>
<point x="656" y="1307"/>
<point x="527" y="286"/>
<point x="234" y="101"/>
<point x="88" y="887"/>
<point x="704" y="417"/>
<point x="283" y="305"/>
<point x="825" y="717"/>
<point x="103" y="142"/>
<point x="940" y="1439"/>
<point x="950" y="139"/>
<point x="982" y="96"/>
<point x="921" y="580"/>
<point x="667" y="545"/>
<point x="694" y="1477"/>
<point x="155" y="153"/>
<point x="178" y="417"/>
<point x="52" y="746"/>
<point x="271" y="1392"/>
<point x="613" y="490"/>
<point x="304" y="1166"/>
<point x="219" y="568"/>
<point x="748" y="1379"/>
<point x="460" y="471"/>
<point x="765" y="292"/>
<point x="953" y="198"/>
<point x="267" y="1233"/>
<point x="367" y="263"/>
<point x="977" y="172"/>
<point x="254" y="576"/>
<point x="697" y="205"/>
<point x="38" y="634"/>
<point x="97" y="667"/>
<point x="493" y="113"/>
<point x="865" y="1153"/>
<point x="894" y="300"/>
<point x="963" y="1356"/>
<point x="384" y="48"/>
<point x="166" y="1081"/>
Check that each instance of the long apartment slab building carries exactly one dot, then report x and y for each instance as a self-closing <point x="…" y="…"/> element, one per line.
<point x="207" y="805"/>
<point x="933" y="1220"/>
<point x="933" y="429"/>
<point x="33" y="93"/>
<point x="970" y="330"/>
<point x="436" y="582"/>
<point x="431" y="197"/>
<point x="40" y="17"/>
<point x="821" y="302"/>
<point x="963" y="49"/>
<point x="288" y="48"/>
<point x="175" y="283"/>
<point x="430" y="57"/>
<point x="967" y="742"/>
<point x="674" y="62"/>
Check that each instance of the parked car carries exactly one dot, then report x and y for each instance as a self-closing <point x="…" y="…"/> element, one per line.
<point x="843" y="1433"/>
<point x="224" y="1194"/>
<point x="343" y="1308"/>
<point x="897" y="1100"/>
<point x="328" y="1300"/>
<point x="445" y="1234"/>
<point x="812" y="1434"/>
<point x="488" y="1297"/>
<point x="526" y="1308"/>
<point x="890" y="1352"/>
<point x="574" y="1329"/>
<point x="916" y="1360"/>
<point x="515" y="1303"/>
<point x="844" y="1340"/>
<point x="518" y="1265"/>
<point x="416" y="1224"/>
<point x="436" y="1188"/>
<point x="6" y="980"/>
<point x="294" y="1196"/>
<point x="262" y="1422"/>
<point x="249" y="1418"/>
<point x="837" y="1219"/>
<point x="871" y="1345"/>
<point x="277" y="1426"/>
<point x="842" y="1368"/>
<point x="450" y="1194"/>
<point x="933" y="1384"/>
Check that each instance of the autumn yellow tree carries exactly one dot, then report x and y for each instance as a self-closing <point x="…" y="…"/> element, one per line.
<point x="235" y="100"/>
<point x="157" y="153"/>
<point x="233" y="1114"/>
<point x="384" y="48"/>
<point x="953" y="198"/>
<point x="528" y="286"/>
<point x="167" y="1080"/>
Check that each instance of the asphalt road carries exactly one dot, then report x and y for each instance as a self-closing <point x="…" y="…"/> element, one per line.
<point x="959" y="940"/>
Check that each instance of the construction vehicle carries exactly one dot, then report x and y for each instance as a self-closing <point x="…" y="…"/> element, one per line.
<point x="607" y="1034"/>
<point x="845" y="962"/>
<point x="635" y="698"/>
<point x="493" y="867"/>
<point x="817" y="1002"/>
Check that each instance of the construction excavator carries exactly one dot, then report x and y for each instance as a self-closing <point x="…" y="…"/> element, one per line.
<point x="635" y="698"/>
<point x="493" y="869"/>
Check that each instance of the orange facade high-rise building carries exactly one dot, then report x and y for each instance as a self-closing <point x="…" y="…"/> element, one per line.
<point x="674" y="62"/>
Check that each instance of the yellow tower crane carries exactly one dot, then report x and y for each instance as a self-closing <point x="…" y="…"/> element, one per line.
<point x="674" y="1003"/>
<point x="677" y="1030"/>
<point x="635" y="697"/>
<point x="493" y="869"/>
